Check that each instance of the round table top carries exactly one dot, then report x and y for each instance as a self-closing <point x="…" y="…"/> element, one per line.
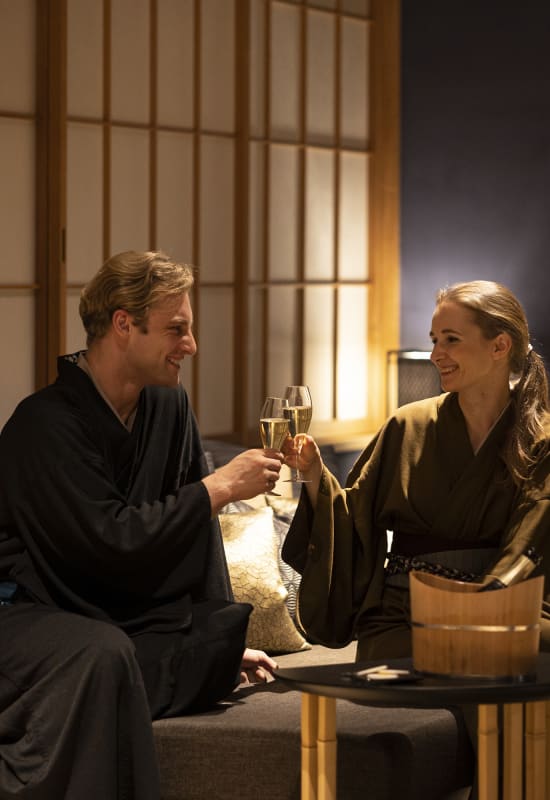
<point x="335" y="680"/>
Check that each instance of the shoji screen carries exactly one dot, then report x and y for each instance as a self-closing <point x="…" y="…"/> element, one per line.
<point x="255" y="139"/>
<point x="18" y="285"/>
<point x="311" y="148"/>
<point x="151" y="162"/>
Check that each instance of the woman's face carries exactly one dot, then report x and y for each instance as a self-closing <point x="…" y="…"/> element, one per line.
<point x="462" y="355"/>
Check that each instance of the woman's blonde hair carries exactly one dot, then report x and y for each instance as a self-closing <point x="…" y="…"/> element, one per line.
<point x="134" y="282"/>
<point x="496" y="310"/>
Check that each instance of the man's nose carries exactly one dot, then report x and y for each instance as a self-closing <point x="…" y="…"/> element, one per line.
<point x="190" y="344"/>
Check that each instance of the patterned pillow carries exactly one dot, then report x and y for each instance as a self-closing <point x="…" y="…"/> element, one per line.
<point x="252" y="548"/>
<point x="284" y="509"/>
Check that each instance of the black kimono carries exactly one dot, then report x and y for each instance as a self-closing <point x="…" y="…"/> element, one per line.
<point x="123" y="609"/>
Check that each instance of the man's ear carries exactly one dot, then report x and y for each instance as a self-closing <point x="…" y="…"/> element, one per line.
<point x="121" y="322"/>
<point x="502" y="344"/>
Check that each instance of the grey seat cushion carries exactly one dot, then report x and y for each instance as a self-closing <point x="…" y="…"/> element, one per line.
<point x="249" y="747"/>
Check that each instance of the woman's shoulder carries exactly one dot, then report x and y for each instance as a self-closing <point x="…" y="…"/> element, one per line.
<point x="424" y="410"/>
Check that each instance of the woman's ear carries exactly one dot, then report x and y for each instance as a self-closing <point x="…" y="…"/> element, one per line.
<point x="502" y="345"/>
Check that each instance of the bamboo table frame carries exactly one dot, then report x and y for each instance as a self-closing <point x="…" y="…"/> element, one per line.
<point x="525" y="724"/>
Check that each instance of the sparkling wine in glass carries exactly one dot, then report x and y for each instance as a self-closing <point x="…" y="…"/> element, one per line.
<point x="298" y="414"/>
<point x="273" y="425"/>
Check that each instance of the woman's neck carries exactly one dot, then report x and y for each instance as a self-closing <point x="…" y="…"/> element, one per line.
<point x="482" y="413"/>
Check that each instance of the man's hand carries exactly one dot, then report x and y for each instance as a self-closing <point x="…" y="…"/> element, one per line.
<point x="248" y="474"/>
<point x="256" y="666"/>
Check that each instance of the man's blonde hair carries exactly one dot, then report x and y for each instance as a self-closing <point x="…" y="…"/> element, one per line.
<point x="134" y="282"/>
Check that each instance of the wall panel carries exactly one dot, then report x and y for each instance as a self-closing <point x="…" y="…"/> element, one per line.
<point x="217" y="375"/>
<point x="216" y="209"/>
<point x="255" y="354"/>
<point x="84" y="201"/>
<point x="284" y="212"/>
<point x="17" y="56"/>
<point x="175" y="69"/>
<point x="174" y="208"/>
<point x="319" y="356"/>
<point x="282" y="344"/>
<point x="17" y="200"/>
<point x="353" y="245"/>
<point x="321" y="77"/>
<point x="319" y="215"/>
<point x="258" y="66"/>
<point x="76" y="335"/>
<point x="352" y="353"/>
<point x="285" y="72"/>
<point x="130" y="54"/>
<point x="18" y="204"/>
<point x="217" y="90"/>
<point x="129" y="189"/>
<point x="85" y="58"/>
<point x="16" y="352"/>
<point x="354" y="83"/>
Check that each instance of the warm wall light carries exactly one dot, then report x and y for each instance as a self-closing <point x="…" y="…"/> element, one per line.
<point x="411" y="376"/>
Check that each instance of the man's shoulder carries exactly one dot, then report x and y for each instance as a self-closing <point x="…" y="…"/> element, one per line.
<point x="166" y="398"/>
<point x="41" y="410"/>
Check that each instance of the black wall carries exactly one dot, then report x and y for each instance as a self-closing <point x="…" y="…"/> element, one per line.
<point x="475" y="158"/>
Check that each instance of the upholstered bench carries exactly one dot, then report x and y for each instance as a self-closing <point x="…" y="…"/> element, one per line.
<point x="249" y="747"/>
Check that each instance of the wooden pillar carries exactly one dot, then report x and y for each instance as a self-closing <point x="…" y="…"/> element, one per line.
<point x="51" y="136"/>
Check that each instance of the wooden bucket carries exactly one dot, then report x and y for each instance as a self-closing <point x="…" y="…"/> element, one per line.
<point x="459" y="631"/>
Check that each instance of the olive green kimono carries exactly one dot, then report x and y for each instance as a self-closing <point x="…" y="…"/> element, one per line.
<point x="418" y="476"/>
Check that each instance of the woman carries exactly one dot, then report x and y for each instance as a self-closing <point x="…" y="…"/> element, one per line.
<point x="462" y="480"/>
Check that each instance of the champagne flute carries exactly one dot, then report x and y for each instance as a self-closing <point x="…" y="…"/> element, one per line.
<point x="273" y="426"/>
<point x="298" y="413"/>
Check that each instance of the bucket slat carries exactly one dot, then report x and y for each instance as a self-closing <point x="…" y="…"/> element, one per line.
<point x="506" y="643"/>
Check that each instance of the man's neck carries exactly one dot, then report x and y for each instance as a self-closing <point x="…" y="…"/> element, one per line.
<point x="111" y="380"/>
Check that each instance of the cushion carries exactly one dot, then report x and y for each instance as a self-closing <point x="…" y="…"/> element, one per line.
<point x="252" y="550"/>
<point x="284" y="510"/>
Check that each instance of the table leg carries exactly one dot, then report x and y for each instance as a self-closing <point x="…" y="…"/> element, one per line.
<point x="487" y="752"/>
<point x="512" y="766"/>
<point x="310" y="717"/>
<point x="548" y="750"/>
<point x="535" y="750"/>
<point x="326" y="749"/>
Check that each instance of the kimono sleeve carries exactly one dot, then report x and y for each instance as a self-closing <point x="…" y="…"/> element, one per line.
<point x="529" y="526"/>
<point x="339" y="552"/>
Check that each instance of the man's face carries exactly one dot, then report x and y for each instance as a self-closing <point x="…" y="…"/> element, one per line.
<point x="155" y="351"/>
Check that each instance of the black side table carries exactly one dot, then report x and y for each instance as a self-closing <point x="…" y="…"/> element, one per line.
<point x="526" y="720"/>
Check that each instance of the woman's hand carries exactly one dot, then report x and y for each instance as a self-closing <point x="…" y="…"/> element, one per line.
<point x="302" y="453"/>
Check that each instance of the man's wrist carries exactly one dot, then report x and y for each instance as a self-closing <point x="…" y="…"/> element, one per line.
<point x="218" y="490"/>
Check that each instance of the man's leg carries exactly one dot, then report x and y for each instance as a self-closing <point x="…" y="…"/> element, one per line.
<point x="191" y="670"/>
<point x="74" y="719"/>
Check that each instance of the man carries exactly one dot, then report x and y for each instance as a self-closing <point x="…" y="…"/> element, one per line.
<point x="116" y="604"/>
